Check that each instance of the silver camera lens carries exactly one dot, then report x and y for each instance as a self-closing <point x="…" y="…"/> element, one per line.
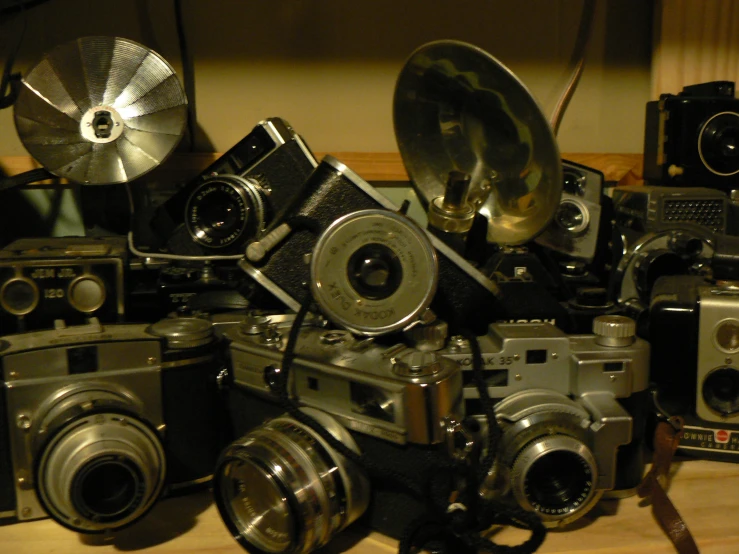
<point x="720" y="390"/>
<point x="373" y="272"/>
<point x="572" y="216"/>
<point x="225" y="209"/>
<point x="100" y="472"/>
<point x="555" y="477"/>
<point x="281" y="488"/>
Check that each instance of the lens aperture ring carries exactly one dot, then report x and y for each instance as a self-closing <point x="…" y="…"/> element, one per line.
<point x="374" y="272"/>
<point x="90" y="450"/>
<point x="281" y="488"/>
<point x="225" y="210"/>
<point x="555" y="476"/>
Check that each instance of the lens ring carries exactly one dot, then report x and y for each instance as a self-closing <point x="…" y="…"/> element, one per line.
<point x="572" y="216"/>
<point x="396" y="306"/>
<point x="720" y="390"/>
<point x="319" y="491"/>
<point x="86" y="293"/>
<point x="726" y="336"/>
<point x="711" y="131"/>
<point x="225" y="210"/>
<point x="569" y="494"/>
<point x="26" y="288"/>
<point x="80" y="445"/>
<point x="107" y="489"/>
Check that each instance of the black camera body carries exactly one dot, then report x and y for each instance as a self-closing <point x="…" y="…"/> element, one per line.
<point x="693" y="330"/>
<point x="97" y="421"/>
<point x="155" y="288"/>
<point x="44" y="279"/>
<point x="691" y="137"/>
<point x="232" y="201"/>
<point x="463" y="297"/>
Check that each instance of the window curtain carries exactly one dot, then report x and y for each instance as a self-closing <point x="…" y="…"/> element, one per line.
<point x="695" y="41"/>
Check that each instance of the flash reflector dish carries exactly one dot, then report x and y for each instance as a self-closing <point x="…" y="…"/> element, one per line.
<point x="100" y="110"/>
<point x="457" y="108"/>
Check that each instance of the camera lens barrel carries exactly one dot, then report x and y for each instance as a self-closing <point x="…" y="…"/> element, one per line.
<point x="281" y="488"/>
<point x="373" y="272"/>
<point x="100" y="472"/>
<point x="225" y="209"/>
<point x="718" y="143"/>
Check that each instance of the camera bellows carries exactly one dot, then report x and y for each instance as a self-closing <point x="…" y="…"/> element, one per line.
<point x="100" y="110"/>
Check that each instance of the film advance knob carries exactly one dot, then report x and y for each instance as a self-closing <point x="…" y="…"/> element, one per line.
<point x="614" y="330"/>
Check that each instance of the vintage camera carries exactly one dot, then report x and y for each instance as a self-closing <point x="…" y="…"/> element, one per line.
<point x="44" y="279"/>
<point x="647" y="208"/>
<point x="156" y="287"/>
<point x="572" y="409"/>
<point x="96" y="421"/>
<point x="690" y="138"/>
<point x="694" y="332"/>
<point x="390" y="403"/>
<point x="682" y="249"/>
<point x="575" y="228"/>
<point x="372" y="270"/>
<point x="236" y="198"/>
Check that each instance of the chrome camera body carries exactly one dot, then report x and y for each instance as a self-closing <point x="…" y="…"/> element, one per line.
<point x="391" y="403"/>
<point x="572" y="409"/>
<point x="97" y="421"/>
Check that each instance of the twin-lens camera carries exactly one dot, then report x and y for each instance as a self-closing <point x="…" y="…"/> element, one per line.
<point x="694" y="331"/>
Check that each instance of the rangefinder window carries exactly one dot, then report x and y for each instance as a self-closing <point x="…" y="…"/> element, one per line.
<point x="82" y="359"/>
<point x="610" y="367"/>
<point x="536" y="356"/>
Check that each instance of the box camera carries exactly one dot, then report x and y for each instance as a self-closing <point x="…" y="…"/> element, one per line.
<point x="44" y="279"/>
<point x="236" y="198"/>
<point x="372" y="271"/>
<point x="691" y="137"/>
<point x="97" y="421"/>
<point x="572" y="409"/>
<point x="694" y="331"/>
<point x="575" y="228"/>
<point x="390" y="403"/>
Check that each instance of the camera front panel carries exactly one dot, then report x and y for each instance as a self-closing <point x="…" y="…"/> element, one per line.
<point x="68" y="279"/>
<point x="690" y="141"/>
<point x="717" y="384"/>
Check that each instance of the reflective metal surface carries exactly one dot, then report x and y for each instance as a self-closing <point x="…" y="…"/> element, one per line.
<point x="458" y="108"/>
<point x="100" y="110"/>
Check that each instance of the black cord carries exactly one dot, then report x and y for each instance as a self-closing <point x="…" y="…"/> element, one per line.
<point x="21" y="5"/>
<point x="10" y="82"/>
<point x="188" y="73"/>
<point x="26" y="178"/>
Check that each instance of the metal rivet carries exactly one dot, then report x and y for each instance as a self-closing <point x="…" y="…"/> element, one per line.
<point x="518" y="377"/>
<point x="24" y="422"/>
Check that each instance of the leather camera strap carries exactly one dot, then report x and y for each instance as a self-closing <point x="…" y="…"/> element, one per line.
<point x="666" y="438"/>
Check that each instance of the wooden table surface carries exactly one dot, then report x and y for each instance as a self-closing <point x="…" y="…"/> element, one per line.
<point x="705" y="493"/>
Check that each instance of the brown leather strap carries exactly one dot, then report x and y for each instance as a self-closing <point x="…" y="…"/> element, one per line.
<point x="666" y="438"/>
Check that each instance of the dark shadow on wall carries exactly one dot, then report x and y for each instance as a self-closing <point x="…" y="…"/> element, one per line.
<point x="336" y="29"/>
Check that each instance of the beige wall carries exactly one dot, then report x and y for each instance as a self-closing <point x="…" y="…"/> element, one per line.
<point x="329" y="66"/>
